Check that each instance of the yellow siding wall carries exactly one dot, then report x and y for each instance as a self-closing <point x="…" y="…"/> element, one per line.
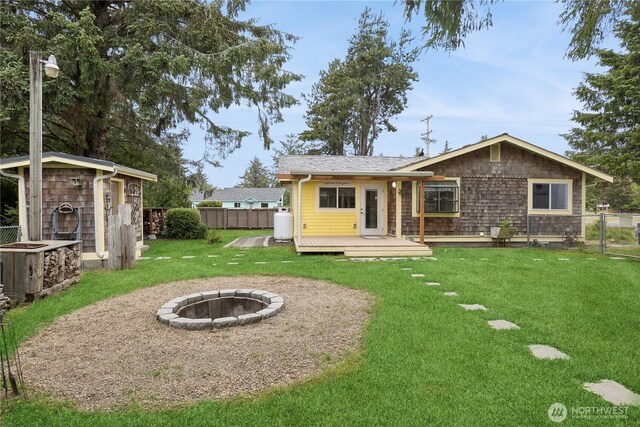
<point x="327" y="222"/>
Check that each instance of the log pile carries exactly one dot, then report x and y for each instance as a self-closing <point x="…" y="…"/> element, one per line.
<point x="60" y="265"/>
<point x="4" y="300"/>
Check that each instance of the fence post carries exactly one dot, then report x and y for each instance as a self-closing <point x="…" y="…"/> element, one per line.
<point x="602" y="232"/>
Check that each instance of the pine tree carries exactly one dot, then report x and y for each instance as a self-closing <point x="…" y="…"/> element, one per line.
<point x="256" y="175"/>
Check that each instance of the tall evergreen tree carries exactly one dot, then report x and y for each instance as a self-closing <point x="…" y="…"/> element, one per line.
<point x="256" y="175"/>
<point x="356" y="98"/>
<point x="134" y="72"/>
<point x="448" y="22"/>
<point x="608" y="135"/>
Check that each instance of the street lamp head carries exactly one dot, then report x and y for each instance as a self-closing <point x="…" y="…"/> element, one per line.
<point x="51" y="67"/>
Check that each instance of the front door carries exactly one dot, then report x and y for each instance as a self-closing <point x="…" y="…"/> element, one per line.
<point x="371" y="210"/>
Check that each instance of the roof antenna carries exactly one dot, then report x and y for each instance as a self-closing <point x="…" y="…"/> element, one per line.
<point x="426" y="136"/>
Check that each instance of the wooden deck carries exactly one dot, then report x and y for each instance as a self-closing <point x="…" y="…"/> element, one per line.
<point x="362" y="246"/>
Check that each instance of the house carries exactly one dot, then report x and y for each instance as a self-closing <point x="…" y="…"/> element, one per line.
<point x="243" y="197"/>
<point x="78" y="195"/>
<point x="464" y="193"/>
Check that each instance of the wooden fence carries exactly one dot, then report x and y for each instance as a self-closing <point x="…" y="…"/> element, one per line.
<point x="237" y="218"/>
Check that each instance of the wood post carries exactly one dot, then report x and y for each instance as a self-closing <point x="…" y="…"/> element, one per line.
<point x="421" y="212"/>
<point x="122" y="240"/>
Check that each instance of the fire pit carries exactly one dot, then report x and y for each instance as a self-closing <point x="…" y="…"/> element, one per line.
<point x="217" y="309"/>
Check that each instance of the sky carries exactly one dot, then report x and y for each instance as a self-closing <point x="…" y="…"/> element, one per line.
<point x="511" y="78"/>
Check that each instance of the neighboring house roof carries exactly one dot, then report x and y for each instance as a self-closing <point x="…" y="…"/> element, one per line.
<point x="53" y="157"/>
<point x="245" y="194"/>
<point x="505" y="137"/>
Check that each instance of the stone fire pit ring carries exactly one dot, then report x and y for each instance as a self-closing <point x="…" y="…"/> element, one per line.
<point x="217" y="309"/>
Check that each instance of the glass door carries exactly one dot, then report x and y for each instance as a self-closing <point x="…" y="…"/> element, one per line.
<point x="371" y="213"/>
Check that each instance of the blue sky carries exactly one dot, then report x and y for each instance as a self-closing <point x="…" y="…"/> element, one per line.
<point x="511" y="78"/>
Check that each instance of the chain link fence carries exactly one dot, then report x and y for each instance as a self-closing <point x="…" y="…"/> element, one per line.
<point x="9" y="234"/>
<point x="613" y="234"/>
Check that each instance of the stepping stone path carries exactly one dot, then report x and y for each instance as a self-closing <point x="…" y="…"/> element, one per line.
<point x="188" y="257"/>
<point x="614" y="393"/>
<point x="432" y="284"/>
<point x="213" y="256"/>
<point x="502" y="324"/>
<point x="450" y="294"/>
<point x="260" y="262"/>
<point x="547" y="352"/>
<point x="473" y="307"/>
<point x="417" y="275"/>
<point x="164" y="257"/>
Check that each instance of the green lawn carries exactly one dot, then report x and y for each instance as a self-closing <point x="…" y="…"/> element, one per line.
<point x="424" y="359"/>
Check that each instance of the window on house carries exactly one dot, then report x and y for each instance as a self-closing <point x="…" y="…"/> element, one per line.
<point x="441" y="196"/>
<point x="236" y="204"/>
<point x="494" y="155"/>
<point x="264" y="205"/>
<point x="550" y="196"/>
<point x="337" y="197"/>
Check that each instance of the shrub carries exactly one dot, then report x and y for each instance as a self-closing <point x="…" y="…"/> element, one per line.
<point x="210" y="204"/>
<point x="184" y="223"/>
<point x="213" y="236"/>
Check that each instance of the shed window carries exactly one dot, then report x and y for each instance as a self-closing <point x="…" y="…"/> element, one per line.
<point x="337" y="197"/>
<point x="439" y="196"/>
<point x="550" y="196"/>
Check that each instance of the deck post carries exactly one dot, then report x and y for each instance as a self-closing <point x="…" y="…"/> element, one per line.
<point x="421" y="212"/>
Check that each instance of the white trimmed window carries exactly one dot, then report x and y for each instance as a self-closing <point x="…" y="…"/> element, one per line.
<point x="439" y="197"/>
<point x="550" y="196"/>
<point x="337" y="197"/>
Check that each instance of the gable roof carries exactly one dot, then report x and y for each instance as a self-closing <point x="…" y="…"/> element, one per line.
<point x="53" y="157"/>
<point x="325" y="164"/>
<point x="245" y="194"/>
<point x="505" y="137"/>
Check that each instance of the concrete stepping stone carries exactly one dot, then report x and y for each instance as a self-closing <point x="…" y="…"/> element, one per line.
<point x="432" y="284"/>
<point x="564" y="259"/>
<point x="260" y="262"/>
<point x="287" y="262"/>
<point x="473" y="307"/>
<point x="547" y="352"/>
<point x="417" y="275"/>
<point x="484" y="259"/>
<point x="188" y="257"/>
<point x="407" y="269"/>
<point x="616" y="257"/>
<point x="502" y="324"/>
<point x="239" y="255"/>
<point x="450" y="294"/>
<point x="213" y="256"/>
<point x="340" y="260"/>
<point x="144" y="257"/>
<point x="591" y="259"/>
<point x="365" y="259"/>
<point x="431" y="258"/>
<point x="232" y="263"/>
<point x="462" y="259"/>
<point x="537" y="259"/>
<point x="614" y="393"/>
<point x="164" y="257"/>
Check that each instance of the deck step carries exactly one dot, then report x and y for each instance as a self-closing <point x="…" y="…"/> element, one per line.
<point x="387" y="251"/>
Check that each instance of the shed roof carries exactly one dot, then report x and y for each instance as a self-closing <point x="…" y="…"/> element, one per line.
<point x="52" y="157"/>
<point x="242" y="194"/>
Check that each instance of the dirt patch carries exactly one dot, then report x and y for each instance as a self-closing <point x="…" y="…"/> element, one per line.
<point x="114" y="354"/>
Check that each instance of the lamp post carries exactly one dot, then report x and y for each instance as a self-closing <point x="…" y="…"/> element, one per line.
<point x="35" y="138"/>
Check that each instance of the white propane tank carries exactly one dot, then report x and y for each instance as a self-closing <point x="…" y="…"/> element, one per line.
<point x="283" y="225"/>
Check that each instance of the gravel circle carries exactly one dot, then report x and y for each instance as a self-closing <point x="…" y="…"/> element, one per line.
<point x="115" y="355"/>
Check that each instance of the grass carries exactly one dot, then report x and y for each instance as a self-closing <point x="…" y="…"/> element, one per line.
<point x="424" y="359"/>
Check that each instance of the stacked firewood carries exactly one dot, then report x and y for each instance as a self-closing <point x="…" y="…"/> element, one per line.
<point x="4" y="300"/>
<point x="156" y="225"/>
<point x="60" y="265"/>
